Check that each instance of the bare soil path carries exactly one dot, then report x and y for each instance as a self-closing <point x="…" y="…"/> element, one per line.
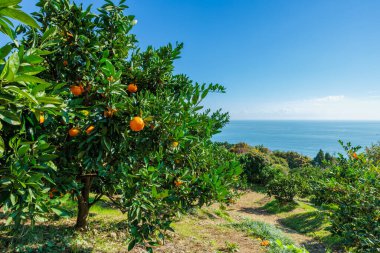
<point x="250" y="206"/>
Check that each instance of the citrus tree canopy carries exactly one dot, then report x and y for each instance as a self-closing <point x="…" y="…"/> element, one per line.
<point x="130" y="129"/>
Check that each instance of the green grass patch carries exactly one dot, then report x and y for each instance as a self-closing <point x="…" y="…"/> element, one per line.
<point x="261" y="230"/>
<point x="223" y="214"/>
<point x="275" y="207"/>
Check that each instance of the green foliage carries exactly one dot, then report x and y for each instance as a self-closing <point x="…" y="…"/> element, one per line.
<point x="278" y="242"/>
<point x="10" y="9"/>
<point x="142" y="172"/>
<point x="352" y="188"/>
<point x="284" y="187"/>
<point x="262" y="230"/>
<point x="26" y="155"/>
<point x="294" y="159"/>
<point x="260" y="165"/>
<point x="278" y="246"/>
<point x="373" y="153"/>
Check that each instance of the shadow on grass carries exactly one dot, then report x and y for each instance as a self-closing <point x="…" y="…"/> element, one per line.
<point x="275" y="207"/>
<point x="43" y="238"/>
<point x="306" y="222"/>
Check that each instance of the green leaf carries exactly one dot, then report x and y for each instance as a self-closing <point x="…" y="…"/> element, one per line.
<point x="30" y="70"/>
<point x="10" y="117"/>
<point x="49" y="32"/>
<point x="4" y="27"/>
<point x="131" y="245"/>
<point x="6" y="3"/>
<point x="49" y="100"/>
<point x="13" y="199"/>
<point x="2" y="147"/>
<point x="22" y="93"/>
<point x="60" y="212"/>
<point x="29" y="79"/>
<point x="10" y="68"/>
<point x="20" y="16"/>
<point x="5" y="50"/>
<point x="33" y="59"/>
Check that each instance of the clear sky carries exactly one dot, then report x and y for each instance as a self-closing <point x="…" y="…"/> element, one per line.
<point x="278" y="59"/>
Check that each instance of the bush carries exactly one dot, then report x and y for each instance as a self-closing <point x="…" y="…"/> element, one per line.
<point x="294" y="159"/>
<point x="284" y="187"/>
<point x="260" y="168"/>
<point x="352" y="188"/>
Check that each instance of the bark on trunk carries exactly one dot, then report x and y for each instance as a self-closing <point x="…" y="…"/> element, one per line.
<point x="83" y="203"/>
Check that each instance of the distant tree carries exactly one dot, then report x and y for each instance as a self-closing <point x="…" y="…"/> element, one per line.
<point x="294" y="159"/>
<point x="319" y="159"/>
<point x="329" y="158"/>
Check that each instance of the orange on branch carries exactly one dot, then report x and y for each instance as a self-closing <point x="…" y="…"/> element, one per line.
<point x="90" y="129"/>
<point x="137" y="124"/>
<point x="175" y="144"/>
<point x="65" y="63"/>
<point x="178" y="183"/>
<point x="42" y="118"/>
<point x="76" y="90"/>
<point x="132" y="88"/>
<point x="74" y="131"/>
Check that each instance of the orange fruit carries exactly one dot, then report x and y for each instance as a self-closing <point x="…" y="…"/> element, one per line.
<point x="132" y="88"/>
<point x="175" y="144"/>
<point x="65" y="63"/>
<point x="355" y="156"/>
<point x="90" y="129"/>
<point x="42" y="118"/>
<point x="137" y="124"/>
<point x="76" y="90"/>
<point x="74" y="131"/>
<point x="265" y="243"/>
<point x="178" y="183"/>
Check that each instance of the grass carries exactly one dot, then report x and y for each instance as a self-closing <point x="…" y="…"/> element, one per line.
<point x="260" y="229"/>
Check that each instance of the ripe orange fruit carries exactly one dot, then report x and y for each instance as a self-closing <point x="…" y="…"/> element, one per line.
<point x="178" y="183"/>
<point x="137" y="124"/>
<point x="355" y="156"/>
<point x="265" y="243"/>
<point x="175" y="144"/>
<point x="90" y="129"/>
<point x="42" y="118"/>
<point x="74" y="131"/>
<point x="76" y="90"/>
<point x="132" y="88"/>
<point x="65" y="63"/>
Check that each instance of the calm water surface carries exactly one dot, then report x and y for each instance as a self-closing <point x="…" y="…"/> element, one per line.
<point x="306" y="137"/>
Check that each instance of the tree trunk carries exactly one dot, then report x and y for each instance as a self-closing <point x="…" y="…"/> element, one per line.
<point x="83" y="203"/>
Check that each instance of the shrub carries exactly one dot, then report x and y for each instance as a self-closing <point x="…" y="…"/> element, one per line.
<point x="352" y="188"/>
<point x="294" y="159"/>
<point x="284" y="187"/>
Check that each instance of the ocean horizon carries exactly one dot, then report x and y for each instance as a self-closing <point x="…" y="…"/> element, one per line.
<point x="304" y="136"/>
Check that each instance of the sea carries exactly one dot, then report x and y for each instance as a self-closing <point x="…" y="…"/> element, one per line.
<point x="305" y="137"/>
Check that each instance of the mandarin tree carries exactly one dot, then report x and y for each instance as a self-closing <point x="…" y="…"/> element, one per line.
<point x="27" y="106"/>
<point x="132" y="131"/>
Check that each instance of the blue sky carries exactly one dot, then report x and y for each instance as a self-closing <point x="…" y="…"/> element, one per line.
<point x="278" y="59"/>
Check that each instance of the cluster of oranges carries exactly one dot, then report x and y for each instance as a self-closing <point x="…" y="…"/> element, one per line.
<point x="136" y="124"/>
